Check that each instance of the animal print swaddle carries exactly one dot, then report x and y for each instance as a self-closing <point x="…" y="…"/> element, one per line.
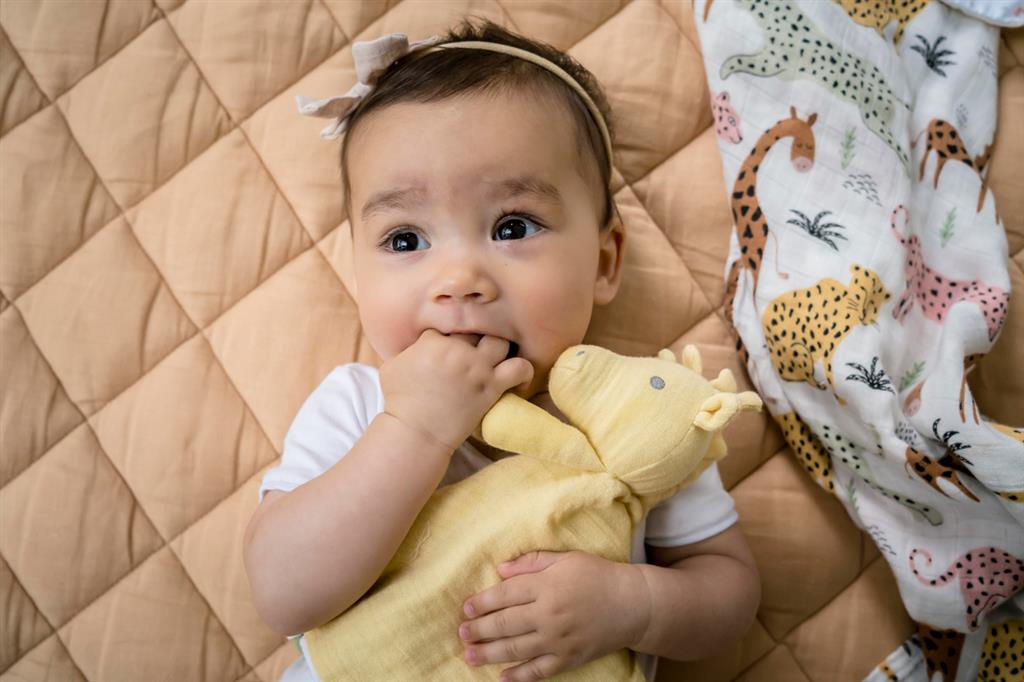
<point x="867" y="275"/>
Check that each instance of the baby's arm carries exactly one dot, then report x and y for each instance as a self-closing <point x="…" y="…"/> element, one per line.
<point x="698" y="605"/>
<point x="312" y="552"/>
<point x="701" y="598"/>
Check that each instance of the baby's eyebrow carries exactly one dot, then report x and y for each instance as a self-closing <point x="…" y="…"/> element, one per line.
<point x="507" y="188"/>
<point x="393" y="199"/>
<point x="527" y="185"/>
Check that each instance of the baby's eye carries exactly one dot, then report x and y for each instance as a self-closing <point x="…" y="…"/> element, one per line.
<point x="515" y="227"/>
<point x="405" y="241"/>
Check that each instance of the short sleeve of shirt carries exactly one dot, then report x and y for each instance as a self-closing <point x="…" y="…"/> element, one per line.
<point x="696" y="512"/>
<point x="331" y="420"/>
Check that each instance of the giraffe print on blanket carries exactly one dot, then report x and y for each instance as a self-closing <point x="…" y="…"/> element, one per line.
<point x="947" y="144"/>
<point x="947" y="468"/>
<point x="941" y="650"/>
<point x="751" y="223"/>
<point x="937" y="294"/>
<point x="795" y="48"/>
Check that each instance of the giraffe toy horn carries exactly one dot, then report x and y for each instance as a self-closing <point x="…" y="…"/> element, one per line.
<point x="691" y="358"/>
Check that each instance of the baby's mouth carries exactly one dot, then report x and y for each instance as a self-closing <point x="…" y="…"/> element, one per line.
<point x="513" y="347"/>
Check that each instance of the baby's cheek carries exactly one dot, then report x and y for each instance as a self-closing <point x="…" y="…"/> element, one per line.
<point x="389" y="325"/>
<point x="558" y="316"/>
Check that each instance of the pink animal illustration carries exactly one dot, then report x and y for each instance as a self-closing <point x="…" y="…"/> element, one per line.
<point x="727" y="121"/>
<point x="987" y="577"/>
<point x="937" y="294"/>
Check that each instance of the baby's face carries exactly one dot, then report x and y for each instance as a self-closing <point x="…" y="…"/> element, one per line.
<point x="470" y="216"/>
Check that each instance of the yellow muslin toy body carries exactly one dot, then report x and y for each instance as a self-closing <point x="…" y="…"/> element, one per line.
<point x="640" y="429"/>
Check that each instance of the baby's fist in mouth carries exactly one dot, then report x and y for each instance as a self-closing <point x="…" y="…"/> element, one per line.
<point x="474" y="339"/>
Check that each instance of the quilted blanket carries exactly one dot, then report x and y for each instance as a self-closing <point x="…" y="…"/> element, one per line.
<point x="175" y="280"/>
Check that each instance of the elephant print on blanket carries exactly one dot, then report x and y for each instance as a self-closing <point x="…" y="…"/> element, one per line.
<point x="937" y="294"/>
<point x="986" y="575"/>
<point x="795" y="49"/>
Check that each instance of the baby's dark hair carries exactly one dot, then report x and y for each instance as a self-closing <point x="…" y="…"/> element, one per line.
<point x="430" y="77"/>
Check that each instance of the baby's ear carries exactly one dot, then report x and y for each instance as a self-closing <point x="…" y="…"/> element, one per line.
<point x="610" y="259"/>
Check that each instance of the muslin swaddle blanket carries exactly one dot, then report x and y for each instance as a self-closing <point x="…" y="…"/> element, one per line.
<point x="868" y="275"/>
<point x="640" y="429"/>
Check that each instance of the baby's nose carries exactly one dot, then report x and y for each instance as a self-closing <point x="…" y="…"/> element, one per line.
<point x="464" y="281"/>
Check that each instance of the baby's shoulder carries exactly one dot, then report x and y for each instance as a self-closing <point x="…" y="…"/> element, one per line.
<point x="353" y="385"/>
<point x="352" y="378"/>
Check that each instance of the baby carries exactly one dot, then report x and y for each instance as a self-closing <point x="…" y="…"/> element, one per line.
<point x="477" y="185"/>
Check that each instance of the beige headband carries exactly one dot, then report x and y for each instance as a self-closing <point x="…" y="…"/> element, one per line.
<point x="372" y="58"/>
<point x="550" y="66"/>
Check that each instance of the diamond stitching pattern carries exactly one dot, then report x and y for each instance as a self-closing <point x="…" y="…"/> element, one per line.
<point x="95" y="379"/>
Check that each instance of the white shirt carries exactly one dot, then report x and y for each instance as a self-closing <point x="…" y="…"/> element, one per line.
<point x="340" y="409"/>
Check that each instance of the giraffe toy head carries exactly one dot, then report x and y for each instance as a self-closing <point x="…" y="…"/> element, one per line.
<point x="653" y="421"/>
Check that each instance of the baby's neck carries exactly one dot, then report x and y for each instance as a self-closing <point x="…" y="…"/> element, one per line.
<point x="542" y="400"/>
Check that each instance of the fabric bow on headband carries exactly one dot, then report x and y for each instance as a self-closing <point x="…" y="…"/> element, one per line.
<point x="372" y="58"/>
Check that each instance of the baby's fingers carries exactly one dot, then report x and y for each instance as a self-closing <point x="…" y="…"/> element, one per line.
<point x="539" y="668"/>
<point x="513" y="372"/>
<point x="494" y="348"/>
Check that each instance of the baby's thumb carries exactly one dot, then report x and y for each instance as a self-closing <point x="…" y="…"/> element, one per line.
<point x="513" y="372"/>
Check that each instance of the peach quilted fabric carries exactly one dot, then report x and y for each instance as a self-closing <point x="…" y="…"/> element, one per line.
<point x="175" y="279"/>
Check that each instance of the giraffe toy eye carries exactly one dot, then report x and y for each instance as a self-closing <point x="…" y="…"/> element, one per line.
<point x="657" y="382"/>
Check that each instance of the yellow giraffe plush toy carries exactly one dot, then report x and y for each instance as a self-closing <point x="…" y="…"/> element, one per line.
<point x="639" y="429"/>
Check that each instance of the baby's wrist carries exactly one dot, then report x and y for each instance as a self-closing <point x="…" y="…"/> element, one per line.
<point x="419" y="433"/>
<point x="638" y="608"/>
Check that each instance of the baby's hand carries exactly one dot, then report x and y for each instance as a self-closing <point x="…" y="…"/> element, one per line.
<point x="555" y="611"/>
<point x="443" y="385"/>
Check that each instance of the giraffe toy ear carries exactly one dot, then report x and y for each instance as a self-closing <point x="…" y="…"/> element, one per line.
<point x="719" y="409"/>
<point x="792" y="111"/>
<point x="666" y="355"/>
<point x="725" y="381"/>
<point x="812" y="118"/>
